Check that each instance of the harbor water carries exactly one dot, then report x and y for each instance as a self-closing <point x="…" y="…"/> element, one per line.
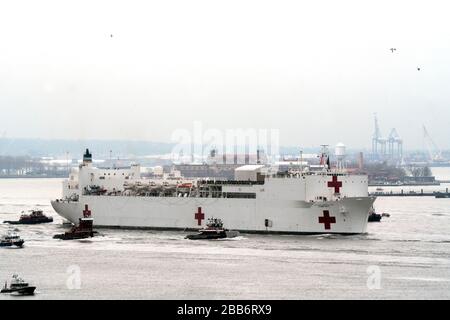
<point x="405" y="256"/>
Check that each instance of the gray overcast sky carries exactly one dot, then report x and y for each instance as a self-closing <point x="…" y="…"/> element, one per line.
<point x="316" y="70"/>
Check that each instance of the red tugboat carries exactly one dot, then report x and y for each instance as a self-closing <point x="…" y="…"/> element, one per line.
<point x="35" y="217"/>
<point x="82" y="231"/>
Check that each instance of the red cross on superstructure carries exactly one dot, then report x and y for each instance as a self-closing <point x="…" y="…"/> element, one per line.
<point x="335" y="184"/>
<point x="327" y="220"/>
<point x="199" y="216"/>
<point x="86" y="212"/>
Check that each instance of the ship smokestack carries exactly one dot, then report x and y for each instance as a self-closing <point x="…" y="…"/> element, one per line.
<point x="87" y="157"/>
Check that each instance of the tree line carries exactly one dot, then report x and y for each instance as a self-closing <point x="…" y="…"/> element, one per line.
<point x="10" y="165"/>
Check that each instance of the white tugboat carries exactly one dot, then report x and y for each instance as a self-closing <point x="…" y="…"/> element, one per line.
<point x="257" y="200"/>
<point x="18" y="286"/>
<point x="214" y="230"/>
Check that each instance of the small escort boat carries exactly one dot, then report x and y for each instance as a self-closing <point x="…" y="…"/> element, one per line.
<point x="442" y="195"/>
<point x="18" y="287"/>
<point x="11" y="239"/>
<point x="374" y="217"/>
<point x="213" y="230"/>
<point x="35" y="217"/>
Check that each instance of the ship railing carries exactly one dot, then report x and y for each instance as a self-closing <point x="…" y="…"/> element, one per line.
<point x="298" y="175"/>
<point x="200" y="194"/>
<point x="230" y="182"/>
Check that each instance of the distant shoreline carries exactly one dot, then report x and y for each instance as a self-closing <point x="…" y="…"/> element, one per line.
<point x="437" y="183"/>
<point x="33" y="177"/>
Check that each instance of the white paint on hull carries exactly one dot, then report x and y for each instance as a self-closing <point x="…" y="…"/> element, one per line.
<point x="350" y="214"/>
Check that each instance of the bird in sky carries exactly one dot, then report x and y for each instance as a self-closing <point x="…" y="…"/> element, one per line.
<point x="418" y="69"/>
<point x="393" y="49"/>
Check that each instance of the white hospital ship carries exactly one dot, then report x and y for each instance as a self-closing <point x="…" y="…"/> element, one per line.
<point x="257" y="200"/>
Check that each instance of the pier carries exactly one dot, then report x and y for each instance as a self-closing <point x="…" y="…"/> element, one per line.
<point x="403" y="193"/>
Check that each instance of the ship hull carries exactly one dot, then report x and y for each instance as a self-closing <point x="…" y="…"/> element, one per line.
<point x="30" y="221"/>
<point x="346" y="216"/>
<point x="25" y="291"/>
<point x="18" y="244"/>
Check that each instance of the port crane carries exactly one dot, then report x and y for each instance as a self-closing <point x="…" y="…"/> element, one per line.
<point x="378" y="140"/>
<point x="395" y="140"/>
<point x="434" y="153"/>
<point x="390" y="147"/>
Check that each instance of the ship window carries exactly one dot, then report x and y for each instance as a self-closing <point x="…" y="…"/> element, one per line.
<point x="240" y="195"/>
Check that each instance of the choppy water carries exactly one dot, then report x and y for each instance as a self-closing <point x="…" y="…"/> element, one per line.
<point x="406" y="256"/>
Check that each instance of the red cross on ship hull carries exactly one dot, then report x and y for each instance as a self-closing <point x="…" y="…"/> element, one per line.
<point x="327" y="220"/>
<point x="199" y="216"/>
<point x="335" y="183"/>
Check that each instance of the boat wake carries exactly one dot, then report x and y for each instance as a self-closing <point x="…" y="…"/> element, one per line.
<point x="238" y="238"/>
